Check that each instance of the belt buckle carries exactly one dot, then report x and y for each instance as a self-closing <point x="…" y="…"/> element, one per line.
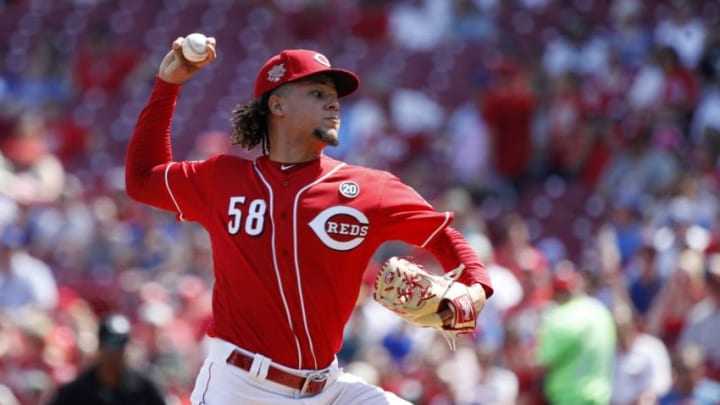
<point x="319" y="378"/>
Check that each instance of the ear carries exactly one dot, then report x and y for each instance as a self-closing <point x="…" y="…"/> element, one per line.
<point x="276" y="105"/>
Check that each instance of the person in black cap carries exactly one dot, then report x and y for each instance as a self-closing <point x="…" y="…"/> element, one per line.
<point x="110" y="381"/>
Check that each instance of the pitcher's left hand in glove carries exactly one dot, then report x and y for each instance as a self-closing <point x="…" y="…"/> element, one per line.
<point x="429" y="300"/>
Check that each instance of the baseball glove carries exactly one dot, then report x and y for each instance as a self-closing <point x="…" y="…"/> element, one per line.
<point x="425" y="299"/>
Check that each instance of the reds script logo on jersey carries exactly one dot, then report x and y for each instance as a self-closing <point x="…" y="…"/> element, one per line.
<point x="340" y="227"/>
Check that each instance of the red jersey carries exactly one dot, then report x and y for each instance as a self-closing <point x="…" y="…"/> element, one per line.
<point x="290" y="242"/>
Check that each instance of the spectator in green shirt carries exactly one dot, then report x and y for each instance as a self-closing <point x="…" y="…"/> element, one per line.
<point x="576" y="344"/>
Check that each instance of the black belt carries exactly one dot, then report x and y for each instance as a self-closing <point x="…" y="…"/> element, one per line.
<point x="310" y="385"/>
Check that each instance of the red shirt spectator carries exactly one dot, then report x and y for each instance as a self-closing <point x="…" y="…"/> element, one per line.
<point x="508" y="108"/>
<point x="370" y="20"/>
<point x="680" y="90"/>
<point x="567" y="116"/>
<point x="102" y="64"/>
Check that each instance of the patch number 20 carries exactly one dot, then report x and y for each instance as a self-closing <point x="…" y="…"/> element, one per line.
<point x="255" y="220"/>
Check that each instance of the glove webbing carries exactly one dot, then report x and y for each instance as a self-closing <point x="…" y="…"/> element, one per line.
<point x="411" y="284"/>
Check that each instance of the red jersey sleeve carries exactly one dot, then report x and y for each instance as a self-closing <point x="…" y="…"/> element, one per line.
<point x="190" y="189"/>
<point x="407" y="216"/>
<point x="149" y="149"/>
<point x="151" y="175"/>
<point x="451" y="249"/>
<point x="410" y="218"/>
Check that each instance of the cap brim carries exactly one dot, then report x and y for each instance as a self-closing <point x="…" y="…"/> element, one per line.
<point x="346" y="82"/>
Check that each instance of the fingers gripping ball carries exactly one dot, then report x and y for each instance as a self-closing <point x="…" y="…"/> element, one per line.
<point x="422" y="298"/>
<point x="194" y="47"/>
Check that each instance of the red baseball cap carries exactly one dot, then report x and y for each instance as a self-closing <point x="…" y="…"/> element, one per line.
<point x="294" y="64"/>
<point x="565" y="277"/>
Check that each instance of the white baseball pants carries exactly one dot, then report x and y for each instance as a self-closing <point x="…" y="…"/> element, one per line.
<point x="219" y="383"/>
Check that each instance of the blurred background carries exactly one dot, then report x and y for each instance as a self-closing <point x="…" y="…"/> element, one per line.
<point x="577" y="133"/>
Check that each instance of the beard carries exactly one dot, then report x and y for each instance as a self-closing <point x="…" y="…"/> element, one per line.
<point x="323" y="135"/>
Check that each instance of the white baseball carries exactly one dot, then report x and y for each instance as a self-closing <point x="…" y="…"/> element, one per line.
<point x="194" y="47"/>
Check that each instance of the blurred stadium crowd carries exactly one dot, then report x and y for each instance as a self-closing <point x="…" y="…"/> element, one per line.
<point x="578" y="133"/>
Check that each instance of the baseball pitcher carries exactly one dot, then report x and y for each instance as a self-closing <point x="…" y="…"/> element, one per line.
<point x="292" y="233"/>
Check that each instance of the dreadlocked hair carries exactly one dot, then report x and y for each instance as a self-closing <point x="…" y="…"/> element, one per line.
<point x="249" y="124"/>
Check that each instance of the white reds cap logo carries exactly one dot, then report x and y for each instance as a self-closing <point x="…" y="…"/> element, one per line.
<point x="340" y="227"/>
<point x="321" y="59"/>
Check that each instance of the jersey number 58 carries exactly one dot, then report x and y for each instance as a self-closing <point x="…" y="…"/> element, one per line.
<point x="255" y="221"/>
